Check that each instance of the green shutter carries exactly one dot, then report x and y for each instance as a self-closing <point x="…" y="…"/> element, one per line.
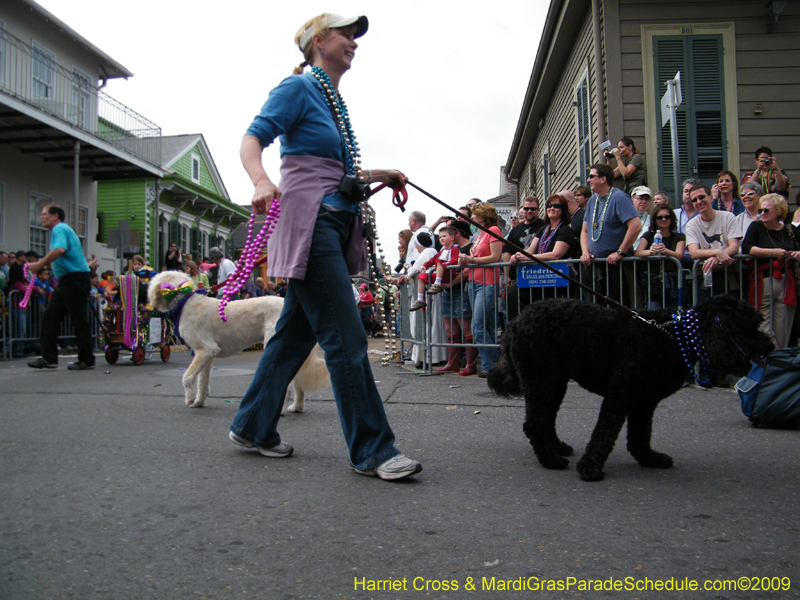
<point x="701" y="117"/>
<point x="174" y="232"/>
<point x="584" y="130"/>
<point x="709" y="107"/>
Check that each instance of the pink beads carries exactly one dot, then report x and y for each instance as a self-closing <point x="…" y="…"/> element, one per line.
<point x="29" y="289"/>
<point x="250" y="254"/>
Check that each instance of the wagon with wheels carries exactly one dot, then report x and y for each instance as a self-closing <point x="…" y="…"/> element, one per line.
<point x="131" y="326"/>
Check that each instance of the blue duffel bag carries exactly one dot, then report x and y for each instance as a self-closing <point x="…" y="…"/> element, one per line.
<point x="771" y="395"/>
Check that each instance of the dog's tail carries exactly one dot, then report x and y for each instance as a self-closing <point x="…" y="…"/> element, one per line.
<point x="502" y="378"/>
<point x="313" y="375"/>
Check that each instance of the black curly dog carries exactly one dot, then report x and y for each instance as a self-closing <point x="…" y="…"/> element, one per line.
<point x="632" y="364"/>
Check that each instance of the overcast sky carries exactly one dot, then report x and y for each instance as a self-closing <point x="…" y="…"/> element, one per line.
<point x="435" y="90"/>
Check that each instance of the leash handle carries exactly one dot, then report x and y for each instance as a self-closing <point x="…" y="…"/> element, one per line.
<point x="399" y="192"/>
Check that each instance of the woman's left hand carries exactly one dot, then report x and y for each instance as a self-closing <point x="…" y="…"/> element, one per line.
<point x="657" y="249"/>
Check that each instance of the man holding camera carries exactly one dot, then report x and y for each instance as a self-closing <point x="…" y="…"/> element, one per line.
<point x="174" y="258"/>
<point x="767" y="173"/>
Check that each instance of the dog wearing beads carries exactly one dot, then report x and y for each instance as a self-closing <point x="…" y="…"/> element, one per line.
<point x="632" y="362"/>
<point x="249" y="322"/>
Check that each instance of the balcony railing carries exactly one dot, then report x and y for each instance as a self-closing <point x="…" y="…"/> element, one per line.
<point x="31" y="74"/>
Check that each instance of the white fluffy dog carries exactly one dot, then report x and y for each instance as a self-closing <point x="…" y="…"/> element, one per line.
<point x="249" y="322"/>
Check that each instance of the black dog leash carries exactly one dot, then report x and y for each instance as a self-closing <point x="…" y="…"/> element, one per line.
<point x="540" y="262"/>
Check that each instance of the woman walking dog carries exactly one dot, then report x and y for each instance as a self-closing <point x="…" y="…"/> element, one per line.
<point x="320" y="175"/>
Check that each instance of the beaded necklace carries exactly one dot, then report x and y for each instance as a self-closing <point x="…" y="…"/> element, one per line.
<point x="31" y="277"/>
<point x="351" y="154"/>
<point x="129" y="295"/>
<point x="250" y="254"/>
<point x="687" y="332"/>
<point x="350" y="149"/>
<point x="597" y="227"/>
<point x="548" y="235"/>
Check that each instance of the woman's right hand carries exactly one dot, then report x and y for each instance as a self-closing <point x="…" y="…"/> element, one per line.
<point x="657" y="249"/>
<point x="265" y="192"/>
<point x="715" y="192"/>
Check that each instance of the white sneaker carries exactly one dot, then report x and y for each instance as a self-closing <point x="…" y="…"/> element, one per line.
<point x="282" y="450"/>
<point x="396" y="467"/>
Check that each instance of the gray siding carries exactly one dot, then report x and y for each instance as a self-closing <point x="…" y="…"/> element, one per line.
<point x="764" y="70"/>
<point x="559" y="132"/>
<point x="776" y="88"/>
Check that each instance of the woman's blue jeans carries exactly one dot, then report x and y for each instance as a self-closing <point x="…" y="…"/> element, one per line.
<point x="321" y="309"/>
<point x="484" y="309"/>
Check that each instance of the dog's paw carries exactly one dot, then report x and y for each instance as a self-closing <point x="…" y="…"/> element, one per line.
<point x="554" y="462"/>
<point x="655" y="460"/>
<point x="294" y="409"/>
<point x="589" y="472"/>
<point x="564" y="449"/>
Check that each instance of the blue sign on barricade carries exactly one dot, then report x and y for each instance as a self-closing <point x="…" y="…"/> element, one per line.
<point x="536" y="276"/>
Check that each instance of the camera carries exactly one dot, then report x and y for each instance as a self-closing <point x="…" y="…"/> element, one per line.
<point x="608" y="154"/>
<point x="768" y="161"/>
<point x="355" y="190"/>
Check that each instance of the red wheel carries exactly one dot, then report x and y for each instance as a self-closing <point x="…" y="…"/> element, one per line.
<point x="112" y="354"/>
<point x="138" y="355"/>
<point x="165" y="352"/>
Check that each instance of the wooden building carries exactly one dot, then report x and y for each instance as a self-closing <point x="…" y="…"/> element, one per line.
<point x="600" y="73"/>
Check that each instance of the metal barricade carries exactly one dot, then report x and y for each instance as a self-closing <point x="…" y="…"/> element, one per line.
<point x="641" y="283"/>
<point x="22" y="327"/>
<point x="757" y="286"/>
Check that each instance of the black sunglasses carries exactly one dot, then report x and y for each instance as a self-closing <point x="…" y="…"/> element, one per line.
<point x="558" y="206"/>
<point x="530" y="208"/>
<point x="699" y="198"/>
<point x="763" y="211"/>
<point x="663" y="218"/>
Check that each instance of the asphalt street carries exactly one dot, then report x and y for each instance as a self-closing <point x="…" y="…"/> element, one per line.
<point x="112" y="489"/>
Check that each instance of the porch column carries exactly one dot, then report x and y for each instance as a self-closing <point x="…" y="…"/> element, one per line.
<point x="76" y="183"/>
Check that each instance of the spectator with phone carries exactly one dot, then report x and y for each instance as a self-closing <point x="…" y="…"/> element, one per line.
<point x="726" y="193"/>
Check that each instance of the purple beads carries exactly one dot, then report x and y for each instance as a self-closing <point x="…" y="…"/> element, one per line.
<point x="250" y="254"/>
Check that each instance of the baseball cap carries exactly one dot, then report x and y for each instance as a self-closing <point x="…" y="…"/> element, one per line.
<point x="334" y="22"/>
<point x="461" y="227"/>
<point x="642" y="190"/>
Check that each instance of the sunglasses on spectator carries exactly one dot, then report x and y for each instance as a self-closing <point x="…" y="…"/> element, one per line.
<point x="663" y="218"/>
<point x="591" y="176"/>
<point x="558" y="206"/>
<point x="703" y="197"/>
<point x="746" y="194"/>
<point x="530" y="208"/>
<point x="763" y="211"/>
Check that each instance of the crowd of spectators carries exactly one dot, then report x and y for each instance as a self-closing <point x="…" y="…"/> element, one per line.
<point x="616" y="216"/>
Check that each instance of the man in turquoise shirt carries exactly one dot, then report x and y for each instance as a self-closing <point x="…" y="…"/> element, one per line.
<point x="71" y="295"/>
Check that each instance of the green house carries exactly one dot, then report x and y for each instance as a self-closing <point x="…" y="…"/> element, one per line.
<point x="189" y="206"/>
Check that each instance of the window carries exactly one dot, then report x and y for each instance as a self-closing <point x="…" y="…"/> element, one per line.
<point x="546" y="174"/>
<point x="83" y="227"/>
<point x="195" y="168"/>
<point x="42" y="73"/>
<point x="2" y="52"/>
<point x="2" y="214"/>
<point x="583" y="122"/>
<point x="37" y="233"/>
<point x="184" y="243"/>
<point x="708" y="129"/>
<point x="81" y="94"/>
<point x="203" y="247"/>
